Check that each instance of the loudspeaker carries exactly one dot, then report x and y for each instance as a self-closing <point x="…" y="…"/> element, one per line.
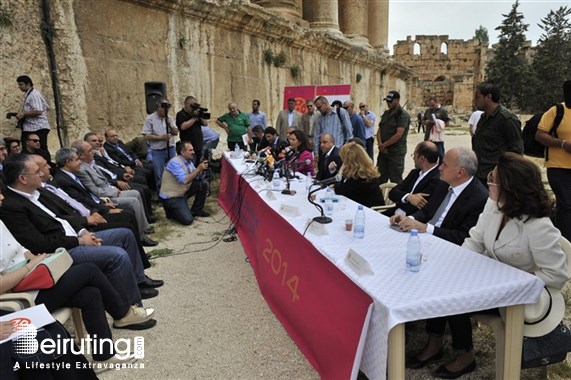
<point x="154" y="91"/>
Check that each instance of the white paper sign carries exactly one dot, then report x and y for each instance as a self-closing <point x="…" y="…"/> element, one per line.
<point x="289" y="210"/>
<point x="245" y="139"/>
<point x="315" y="228"/>
<point x="270" y="195"/>
<point x="37" y="316"/>
<point x="358" y="263"/>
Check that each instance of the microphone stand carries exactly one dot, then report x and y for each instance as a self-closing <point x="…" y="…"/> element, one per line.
<point x="287" y="191"/>
<point x="322" y="219"/>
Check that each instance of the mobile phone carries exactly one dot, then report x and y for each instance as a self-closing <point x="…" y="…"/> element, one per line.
<point x="396" y="227"/>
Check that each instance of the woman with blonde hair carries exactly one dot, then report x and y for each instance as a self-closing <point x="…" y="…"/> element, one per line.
<point x="360" y="180"/>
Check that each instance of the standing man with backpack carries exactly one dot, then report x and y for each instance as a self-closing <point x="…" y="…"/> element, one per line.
<point x="558" y="159"/>
<point x="498" y="130"/>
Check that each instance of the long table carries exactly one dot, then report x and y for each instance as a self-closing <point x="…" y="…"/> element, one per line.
<point x="326" y="306"/>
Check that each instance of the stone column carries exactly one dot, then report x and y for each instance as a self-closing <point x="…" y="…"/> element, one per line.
<point x="322" y="15"/>
<point x="353" y="20"/>
<point x="379" y="24"/>
<point x="284" y="7"/>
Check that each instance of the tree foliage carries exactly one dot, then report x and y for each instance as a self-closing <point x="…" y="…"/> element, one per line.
<point x="552" y="61"/>
<point x="508" y="68"/>
<point x="481" y="34"/>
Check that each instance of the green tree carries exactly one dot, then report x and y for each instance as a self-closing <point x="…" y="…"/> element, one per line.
<point x="508" y="69"/>
<point x="552" y="61"/>
<point x="481" y="34"/>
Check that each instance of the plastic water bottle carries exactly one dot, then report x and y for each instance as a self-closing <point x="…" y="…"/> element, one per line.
<point x="359" y="223"/>
<point x="237" y="151"/>
<point x="276" y="180"/>
<point x="328" y="202"/>
<point x="308" y="182"/>
<point x="413" y="255"/>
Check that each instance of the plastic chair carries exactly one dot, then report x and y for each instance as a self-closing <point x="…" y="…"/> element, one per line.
<point x="20" y="301"/>
<point x="385" y="189"/>
<point x="497" y="324"/>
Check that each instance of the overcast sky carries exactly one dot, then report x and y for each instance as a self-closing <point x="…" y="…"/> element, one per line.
<point x="459" y="19"/>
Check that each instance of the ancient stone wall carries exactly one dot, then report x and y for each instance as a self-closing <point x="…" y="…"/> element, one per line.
<point x="213" y="49"/>
<point x="449" y="69"/>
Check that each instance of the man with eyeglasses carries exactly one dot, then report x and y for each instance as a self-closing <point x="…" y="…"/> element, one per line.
<point x="369" y="118"/>
<point x="333" y="121"/>
<point x="391" y="139"/>
<point x="32" y="145"/>
<point x="309" y="118"/>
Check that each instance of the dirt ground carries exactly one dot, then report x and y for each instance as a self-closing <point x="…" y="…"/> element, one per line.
<point x="214" y="324"/>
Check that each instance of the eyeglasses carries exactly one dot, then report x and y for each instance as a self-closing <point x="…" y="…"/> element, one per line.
<point x="490" y="179"/>
<point x="34" y="140"/>
<point x="346" y="107"/>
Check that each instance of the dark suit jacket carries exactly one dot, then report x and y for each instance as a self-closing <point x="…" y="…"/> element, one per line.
<point x="78" y="192"/>
<point x="463" y="214"/>
<point x="119" y="156"/>
<point x="323" y="165"/>
<point x="32" y="227"/>
<point x="366" y="193"/>
<point x="426" y="185"/>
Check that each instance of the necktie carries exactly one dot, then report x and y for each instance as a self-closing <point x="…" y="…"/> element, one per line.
<point x="124" y="152"/>
<point x="442" y="207"/>
<point x="69" y="200"/>
<point x="95" y="199"/>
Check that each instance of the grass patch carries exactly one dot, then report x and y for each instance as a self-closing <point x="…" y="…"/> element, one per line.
<point x="160" y="252"/>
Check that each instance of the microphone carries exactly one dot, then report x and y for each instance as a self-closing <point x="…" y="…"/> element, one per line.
<point x="326" y="182"/>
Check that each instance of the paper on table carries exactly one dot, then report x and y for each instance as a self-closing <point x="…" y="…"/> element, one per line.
<point x="245" y="139"/>
<point x="38" y="315"/>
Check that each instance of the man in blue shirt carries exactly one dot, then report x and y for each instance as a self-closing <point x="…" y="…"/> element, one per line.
<point x="356" y="120"/>
<point x="332" y="121"/>
<point x="182" y="180"/>
<point x="257" y="117"/>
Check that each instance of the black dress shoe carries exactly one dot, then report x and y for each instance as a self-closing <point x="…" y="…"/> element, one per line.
<point x="150" y="283"/>
<point x="147" y="293"/>
<point x="152" y="219"/>
<point x="200" y="213"/>
<point x="443" y="373"/>
<point x="148" y="242"/>
<point x="415" y="363"/>
<point x="150" y="230"/>
<point x="139" y="326"/>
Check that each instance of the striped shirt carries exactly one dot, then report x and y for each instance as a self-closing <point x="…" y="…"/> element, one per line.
<point x="34" y="101"/>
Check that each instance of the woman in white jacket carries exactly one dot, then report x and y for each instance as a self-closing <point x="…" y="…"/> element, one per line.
<point x="514" y="228"/>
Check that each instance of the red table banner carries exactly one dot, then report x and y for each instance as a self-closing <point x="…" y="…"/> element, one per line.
<point x="323" y="311"/>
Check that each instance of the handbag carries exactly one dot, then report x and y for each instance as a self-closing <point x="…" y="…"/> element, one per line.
<point x="46" y="273"/>
<point x="548" y="349"/>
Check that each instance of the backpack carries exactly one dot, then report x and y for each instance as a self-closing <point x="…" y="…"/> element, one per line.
<point x="532" y="147"/>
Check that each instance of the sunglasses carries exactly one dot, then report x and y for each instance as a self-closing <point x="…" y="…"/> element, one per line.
<point x="490" y="179"/>
<point x="361" y="107"/>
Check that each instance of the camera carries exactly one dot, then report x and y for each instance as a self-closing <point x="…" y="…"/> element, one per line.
<point x="165" y="105"/>
<point x="10" y="115"/>
<point x="200" y="112"/>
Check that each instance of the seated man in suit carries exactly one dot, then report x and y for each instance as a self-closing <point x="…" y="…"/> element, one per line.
<point x="119" y="152"/>
<point x="274" y="141"/>
<point x="93" y="179"/>
<point x="258" y="140"/>
<point x="412" y="194"/>
<point x="329" y="159"/>
<point x="122" y="177"/>
<point x="32" y="220"/>
<point x="456" y="203"/>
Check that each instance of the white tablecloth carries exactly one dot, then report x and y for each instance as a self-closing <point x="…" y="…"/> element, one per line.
<point x="452" y="280"/>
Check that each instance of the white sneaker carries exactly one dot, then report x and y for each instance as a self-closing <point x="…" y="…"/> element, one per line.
<point x="135" y="316"/>
<point x="104" y="365"/>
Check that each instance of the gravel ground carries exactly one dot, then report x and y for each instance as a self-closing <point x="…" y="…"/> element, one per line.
<point x="213" y="322"/>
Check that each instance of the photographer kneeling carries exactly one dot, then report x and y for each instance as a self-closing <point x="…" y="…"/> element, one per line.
<point x="182" y="180"/>
<point x="189" y="121"/>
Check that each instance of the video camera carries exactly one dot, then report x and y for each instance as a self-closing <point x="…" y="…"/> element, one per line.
<point x="200" y="112"/>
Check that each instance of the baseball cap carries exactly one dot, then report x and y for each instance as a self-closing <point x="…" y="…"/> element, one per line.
<point x="391" y="96"/>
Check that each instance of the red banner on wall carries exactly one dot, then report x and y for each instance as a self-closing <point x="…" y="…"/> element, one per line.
<point x="323" y="311"/>
<point x="302" y="93"/>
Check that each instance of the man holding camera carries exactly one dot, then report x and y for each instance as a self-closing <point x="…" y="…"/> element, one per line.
<point x="183" y="180"/>
<point x="189" y="121"/>
<point x="159" y="130"/>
